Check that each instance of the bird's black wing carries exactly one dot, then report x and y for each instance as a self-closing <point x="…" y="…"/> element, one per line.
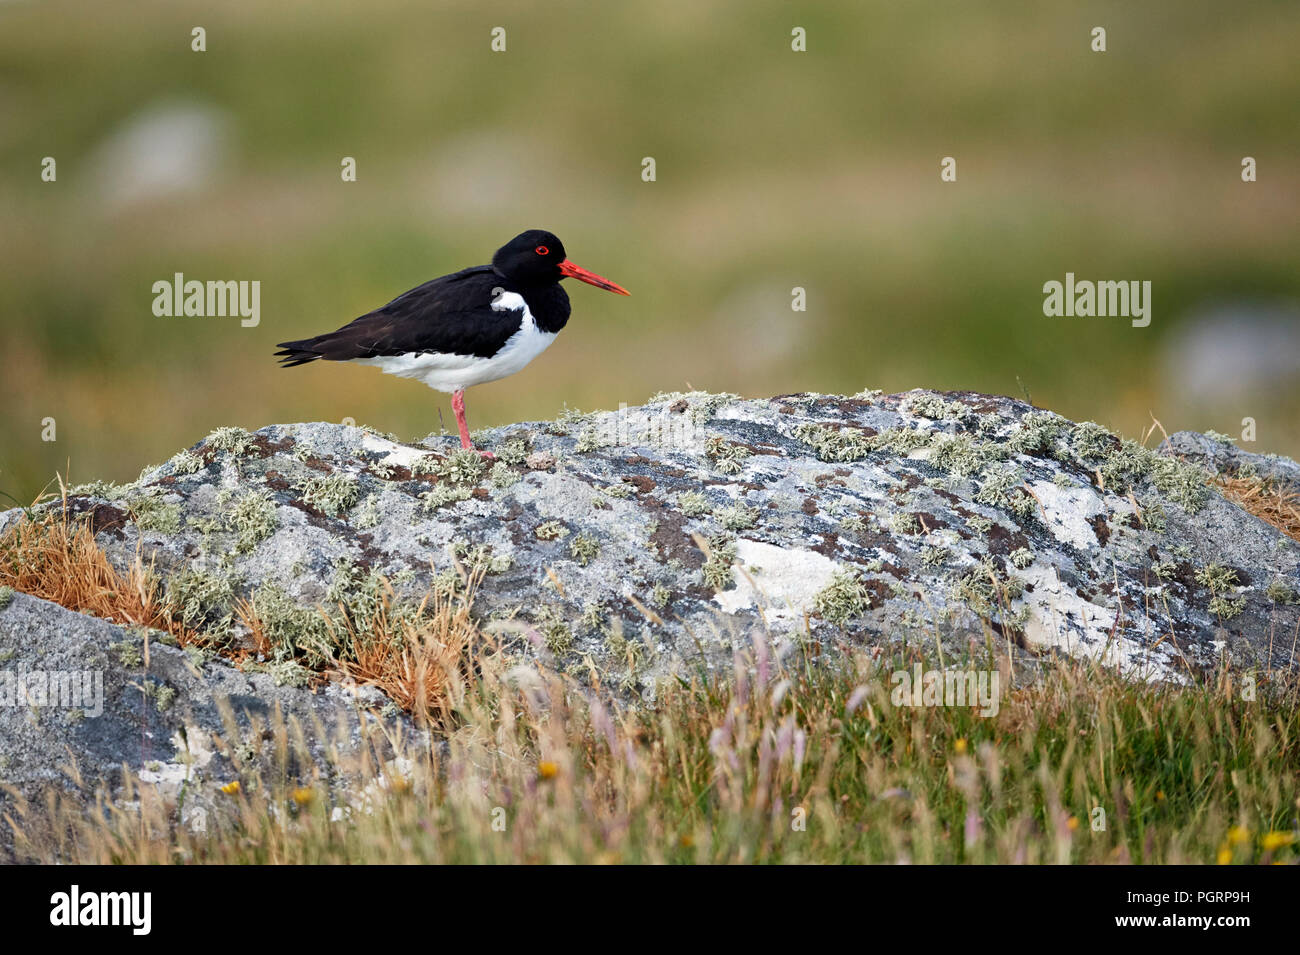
<point x="451" y="315"/>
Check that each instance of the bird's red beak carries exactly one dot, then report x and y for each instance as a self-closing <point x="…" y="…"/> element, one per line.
<point x="572" y="271"/>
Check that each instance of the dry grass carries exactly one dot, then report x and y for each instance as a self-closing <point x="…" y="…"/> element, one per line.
<point x="414" y="659"/>
<point x="57" y="558"/>
<point x="409" y="657"/>
<point x="1268" y="500"/>
<point x="798" y="763"/>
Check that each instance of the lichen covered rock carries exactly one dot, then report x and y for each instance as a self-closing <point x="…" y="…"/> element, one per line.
<point x="631" y="546"/>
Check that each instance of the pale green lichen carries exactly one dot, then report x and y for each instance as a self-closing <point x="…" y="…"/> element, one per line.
<point x="291" y="629"/>
<point x="588" y="441"/>
<point x="152" y="513"/>
<point x="1037" y="433"/>
<point x="570" y="419"/>
<point x="902" y="441"/>
<point x="1226" y="607"/>
<point x="837" y="445"/>
<point x="550" y="530"/>
<point x="127" y="653"/>
<point x="693" y="504"/>
<point x="426" y="465"/>
<point x="284" y="672"/>
<point x="727" y="458"/>
<point x="584" y="549"/>
<point x="367" y="514"/>
<point x="624" y="649"/>
<point x="481" y="558"/>
<point x="1278" y="591"/>
<point x="1022" y="557"/>
<point x="999" y="489"/>
<point x="702" y="405"/>
<point x="186" y="462"/>
<point x="981" y="588"/>
<point x="903" y="523"/>
<point x="1217" y="578"/>
<point x="330" y="494"/>
<point x="933" y="555"/>
<point x="361" y="594"/>
<point x="235" y="441"/>
<point x="937" y="408"/>
<point x="717" y="570"/>
<point x="465" y="466"/>
<point x="503" y="476"/>
<point x="854" y="523"/>
<point x="736" y="517"/>
<point x="555" y="630"/>
<point x="442" y="495"/>
<point x="843" y="598"/>
<point x="660" y="595"/>
<point x="288" y="673"/>
<point x="962" y="454"/>
<point x="201" y="599"/>
<point x="105" y="489"/>
<point x="979" y="523"/>
<point x="6" y="595"/>
<point x="253" y="518"/>
<point x="1123" y="464"/>
<point x="1221" y="580"/>
<point x="1091" y="442"/>
<point x="514" y="451"/>
<point x="1182" y="482"/>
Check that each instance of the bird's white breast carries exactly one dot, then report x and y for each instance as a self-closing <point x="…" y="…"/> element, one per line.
<point x="452" y="373"/>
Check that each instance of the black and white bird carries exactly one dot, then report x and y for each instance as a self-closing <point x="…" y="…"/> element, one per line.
<point x="462" y="329"/>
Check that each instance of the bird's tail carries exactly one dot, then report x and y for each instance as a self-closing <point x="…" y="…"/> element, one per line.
<point x="297" y="353"/>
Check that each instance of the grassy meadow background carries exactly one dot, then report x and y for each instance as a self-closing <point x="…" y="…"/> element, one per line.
<point x="775" y="169"/>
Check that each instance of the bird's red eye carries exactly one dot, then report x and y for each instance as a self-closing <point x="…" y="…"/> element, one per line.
<point x="542" y="250"/>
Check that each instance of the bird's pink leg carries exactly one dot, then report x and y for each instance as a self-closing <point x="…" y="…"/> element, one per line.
<point x="458" y="406"/>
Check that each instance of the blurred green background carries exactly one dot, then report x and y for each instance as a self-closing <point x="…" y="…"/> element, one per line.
<point x="775" y="169"/>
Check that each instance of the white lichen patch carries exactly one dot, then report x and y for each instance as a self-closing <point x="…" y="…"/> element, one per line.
<point x="782" y="582"/>
<point x="393" y="453"/>
<point x="1067" y="511"/>
<point x="193" y="754"/>
<point x="1060" y="617"/>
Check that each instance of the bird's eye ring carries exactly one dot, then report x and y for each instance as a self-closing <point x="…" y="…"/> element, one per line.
<point x="542" y="250"/>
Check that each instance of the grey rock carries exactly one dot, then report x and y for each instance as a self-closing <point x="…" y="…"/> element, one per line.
<point x="81" y="699"/>
<point x="870" y="520"/>
<point x="648" y="544"/>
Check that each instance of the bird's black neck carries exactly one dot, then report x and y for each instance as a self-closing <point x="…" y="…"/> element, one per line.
<point x="548" y="303"/>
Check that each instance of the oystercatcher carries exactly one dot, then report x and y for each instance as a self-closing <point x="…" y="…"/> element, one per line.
<point x="463" y="329"/>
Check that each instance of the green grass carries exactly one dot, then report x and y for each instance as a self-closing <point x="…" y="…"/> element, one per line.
<point x="813" y="764"/>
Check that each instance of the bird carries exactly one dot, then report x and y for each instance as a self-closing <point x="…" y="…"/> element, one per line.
<point x="466" y="328"/>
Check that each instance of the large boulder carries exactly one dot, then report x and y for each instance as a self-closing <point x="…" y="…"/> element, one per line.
<point x="632" y="546"/>
<point x="90" y="707"/>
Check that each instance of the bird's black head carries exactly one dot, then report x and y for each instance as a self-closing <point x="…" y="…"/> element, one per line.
<point x="536" y="257"/>
<point x="532" y="257"/>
